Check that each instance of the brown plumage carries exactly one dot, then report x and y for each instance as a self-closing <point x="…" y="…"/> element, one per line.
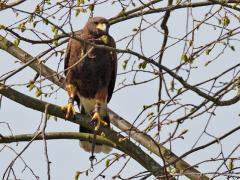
<point x="91" y="73"/>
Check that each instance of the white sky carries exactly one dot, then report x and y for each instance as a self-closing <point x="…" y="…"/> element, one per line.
<point x="65" y="155"/>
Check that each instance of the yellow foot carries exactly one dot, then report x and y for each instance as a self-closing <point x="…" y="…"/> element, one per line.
<point x="69" y="109"/>
<point x="96" y="117"/>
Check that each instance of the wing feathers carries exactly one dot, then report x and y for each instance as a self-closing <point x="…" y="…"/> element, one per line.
<point x="114" y="72"/>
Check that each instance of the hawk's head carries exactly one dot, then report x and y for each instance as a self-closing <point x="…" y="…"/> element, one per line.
<point x="97" y="26"/>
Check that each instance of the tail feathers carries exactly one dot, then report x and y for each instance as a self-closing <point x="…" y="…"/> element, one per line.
<point x="87" y="146"/>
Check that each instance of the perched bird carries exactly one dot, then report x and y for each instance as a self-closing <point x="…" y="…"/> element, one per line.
<point x="90" y="75"/>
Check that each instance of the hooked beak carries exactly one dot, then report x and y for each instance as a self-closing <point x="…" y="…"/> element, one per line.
<point x="102" y="27"/>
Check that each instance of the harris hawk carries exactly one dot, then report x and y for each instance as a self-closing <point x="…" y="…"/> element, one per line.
<point x="90" y="75"/>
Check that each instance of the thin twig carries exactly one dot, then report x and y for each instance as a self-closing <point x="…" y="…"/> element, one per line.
<point x="45" y="142"/>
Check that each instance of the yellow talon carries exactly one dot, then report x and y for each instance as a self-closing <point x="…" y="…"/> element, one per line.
<point x="96" y="117"/>
<point x="69" y="108"/>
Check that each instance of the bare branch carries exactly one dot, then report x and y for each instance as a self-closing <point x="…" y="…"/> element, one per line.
<point x="57" y="135"/>
<point x="125" y="146"/>
<point x="122" y="124"/>
<point x="4" y="6"/>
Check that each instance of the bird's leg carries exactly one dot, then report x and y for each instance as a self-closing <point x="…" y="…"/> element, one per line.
<point x="96" y="116"/>
<point x="69" y="108"/>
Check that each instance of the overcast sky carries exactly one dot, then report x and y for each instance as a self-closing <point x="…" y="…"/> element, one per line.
<point x="65" y="155"/>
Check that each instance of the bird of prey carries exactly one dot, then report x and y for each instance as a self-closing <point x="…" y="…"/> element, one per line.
<point x="90" y="75"/>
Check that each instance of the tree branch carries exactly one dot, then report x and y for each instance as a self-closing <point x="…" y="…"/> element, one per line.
<point x="4" y="6"/>
<point x="45" y="142"/>
<point x="116" y="120"/>
<point x="54" y="77"/>
<point x="140" y="12"/>
<point x="58" y="135"/>
<point x="125" y="146"/>
<point x="25" y="57"/>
